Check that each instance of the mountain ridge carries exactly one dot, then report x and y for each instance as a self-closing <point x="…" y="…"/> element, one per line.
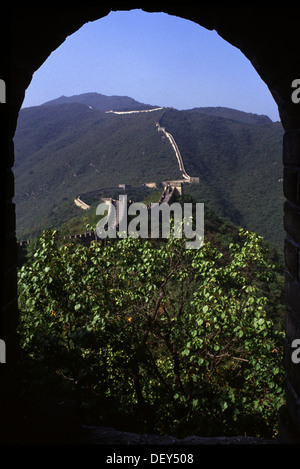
<point x="233" y="114"/>
<point x="66" y="148"/>
<point x="101" y="102"/>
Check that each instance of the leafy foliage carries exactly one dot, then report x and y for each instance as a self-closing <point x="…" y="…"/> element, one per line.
<point x="155" y="338"/>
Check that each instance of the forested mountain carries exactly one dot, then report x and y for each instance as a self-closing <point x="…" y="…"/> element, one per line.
<point x="148" y="336"/>
<point x="67" y="149"/>
<point x="239" y="165"/>
<point x="233" y="114"/>
<point x="71" y="145"/>
<point x="101" y="102"/>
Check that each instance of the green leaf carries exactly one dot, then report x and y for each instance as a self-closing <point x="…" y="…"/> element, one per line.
<point x="223" y="405"/>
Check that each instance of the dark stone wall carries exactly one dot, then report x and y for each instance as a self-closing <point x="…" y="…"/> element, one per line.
<point x="267" y="36"/>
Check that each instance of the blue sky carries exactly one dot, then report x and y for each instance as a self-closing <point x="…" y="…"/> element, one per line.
<point x="156" y="59"/>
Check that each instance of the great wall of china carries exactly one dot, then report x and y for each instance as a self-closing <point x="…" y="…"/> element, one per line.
<point x="170" y="187"/>
<point x="174" y="184"/>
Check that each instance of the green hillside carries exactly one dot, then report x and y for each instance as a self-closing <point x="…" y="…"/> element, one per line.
<point x="67" y="149"/>
<point x="233" y="114"/>
<point x="64" y="148"/>
<point x="239" y="165"/>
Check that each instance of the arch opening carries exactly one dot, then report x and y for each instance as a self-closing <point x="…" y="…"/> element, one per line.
<point x="286" y="105"/>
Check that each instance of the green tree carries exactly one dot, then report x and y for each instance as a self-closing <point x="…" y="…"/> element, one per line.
<point x="172" y="340"/>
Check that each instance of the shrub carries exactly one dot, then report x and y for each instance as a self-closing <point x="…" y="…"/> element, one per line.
<point x="155" y="338"/>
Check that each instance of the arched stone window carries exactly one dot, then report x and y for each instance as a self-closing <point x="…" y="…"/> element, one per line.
<point x="268" y="37"/>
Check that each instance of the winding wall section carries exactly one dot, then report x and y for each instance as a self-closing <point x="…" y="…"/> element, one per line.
<point x="170" y="187"/>
<point x="80" y="203"/>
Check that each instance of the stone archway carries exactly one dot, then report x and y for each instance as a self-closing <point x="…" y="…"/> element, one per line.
<point x="268" y="38"/>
